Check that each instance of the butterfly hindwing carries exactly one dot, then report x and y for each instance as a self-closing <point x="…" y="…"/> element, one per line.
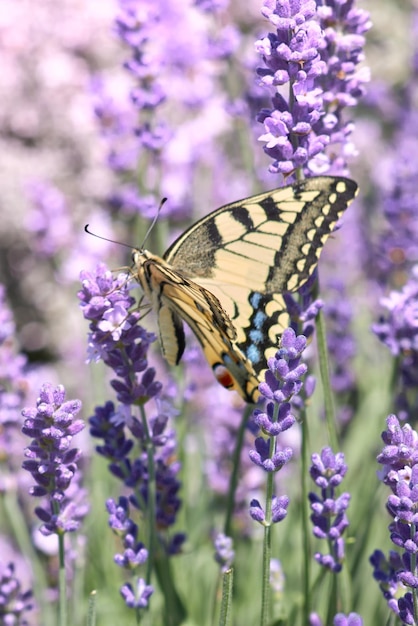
<point x="226" y="274"/>
<point x="177" y="299"/>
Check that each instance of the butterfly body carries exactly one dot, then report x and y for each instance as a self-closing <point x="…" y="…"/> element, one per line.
<point x="225" y="275"/>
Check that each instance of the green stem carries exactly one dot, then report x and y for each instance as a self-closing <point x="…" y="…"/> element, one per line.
<point x="326" y="383"/>
<point x="226" y="605"/>
<point x="307" y="551"/>
<point x="266" y="591"/>
<point x="233" y="483"/>
<point x="62" y="582"/>
<point x="152" y="494"/>
<point x="91" y="614"/>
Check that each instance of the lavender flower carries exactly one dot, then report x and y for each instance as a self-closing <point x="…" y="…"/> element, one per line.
<point x="115" y="335"/>
<point x="400" y="473"/>
<point x="224" y="552"/>
<point x="352" y="619"/>
<point x="315" y="51"/>
<point x="291" y="55"/>
<point x="341" y="347"/>
<point x="282" y="384"/>
<point x="136" y="598"/>
<point x="52" y="462"/>
<point x="123" y="344"/>
<point x="13" y="601"/>
<point x="343" y="83"/>
<point x="385" y="572"/>
<point x="328" y="511"/>
<point x="131" y="467"/>
<point x="13" y="381"/>
<point x="302" y="308"/>
<point x="49" y="220"/>
<point x="398" y="191"/>
<point x="399" y="332"/>
<point x="134" y="555"/>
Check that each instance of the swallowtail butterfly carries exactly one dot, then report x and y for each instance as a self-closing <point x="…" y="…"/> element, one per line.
<point x="225" y="275"/>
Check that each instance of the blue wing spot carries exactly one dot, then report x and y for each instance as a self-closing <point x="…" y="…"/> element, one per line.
<point x="256" y="336"/>
<point x="258" y="319"/>
<point x="254" y="354"/>
<point x="255" y="300"/>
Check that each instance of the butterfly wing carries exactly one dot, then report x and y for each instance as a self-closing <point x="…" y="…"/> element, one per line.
<point x="268" y="243"/>
<point x="176" y="299"/>
<point x="250" y="252"/>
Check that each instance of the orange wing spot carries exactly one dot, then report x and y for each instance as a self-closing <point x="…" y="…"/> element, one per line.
<point x="223" y="376"/>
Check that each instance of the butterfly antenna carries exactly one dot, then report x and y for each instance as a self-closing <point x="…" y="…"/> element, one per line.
<point x="119" y="243"/>
<point x="156" y="216"/>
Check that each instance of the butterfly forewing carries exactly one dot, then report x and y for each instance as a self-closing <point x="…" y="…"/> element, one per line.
<point x="226" y="274"/>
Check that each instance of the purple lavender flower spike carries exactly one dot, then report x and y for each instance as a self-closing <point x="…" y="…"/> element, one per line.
<point x="352" y="619"/>
<point x="329" y="517"/>
<point x="315" y="51"/>
<point x="224" y="552"/>
<point x="278" y="508"/>
<point x="291" y="55"/>
<point x="123" y="344"/>
<point x="50" y="220"/>
<point x="137" y="598"/>
<point x="281" y="388"/>
<point x="52" y="462"/>
<point x="116" y="337"/>
<point x="261" y="456"/>
<point x="398" y="330"/>
<point x="400" y="474"/>
<point x="14" y="603"/>
<point x="406" y="609"/>
<point x="13" y="381"/>
<point x="385" y="572"/>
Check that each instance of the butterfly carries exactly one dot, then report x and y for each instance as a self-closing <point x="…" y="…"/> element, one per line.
<point x="225" y="276"/>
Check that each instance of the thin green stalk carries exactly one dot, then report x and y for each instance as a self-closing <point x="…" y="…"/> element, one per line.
<point x="233" y="483"/>
<point x="91" y="614"/>
<point x="307" y="550"/>
<point x="266" y="591"/>
<point x="151" y="541"/>
<point x="62" y="582"/>
<point x="326" y="383"/>
<point x="226" y="604"/>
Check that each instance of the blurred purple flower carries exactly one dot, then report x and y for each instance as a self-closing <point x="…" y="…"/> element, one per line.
<point x="135" y="553"/>
<point x="13" y="379"/>
<point x="341" y="347"/>
<point x="136" y="598"/>
<point x="399" y="331"/>
<point x="14" y="603"/>
<point x="385" y="572"/>
<point x="224" y="552"/>
<point x="352" y="619"/>
<point x="398" y="245"/>
<point x="49" y="222"/>
<point x="52" y="462"/>
<point x="328" y="511"/>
